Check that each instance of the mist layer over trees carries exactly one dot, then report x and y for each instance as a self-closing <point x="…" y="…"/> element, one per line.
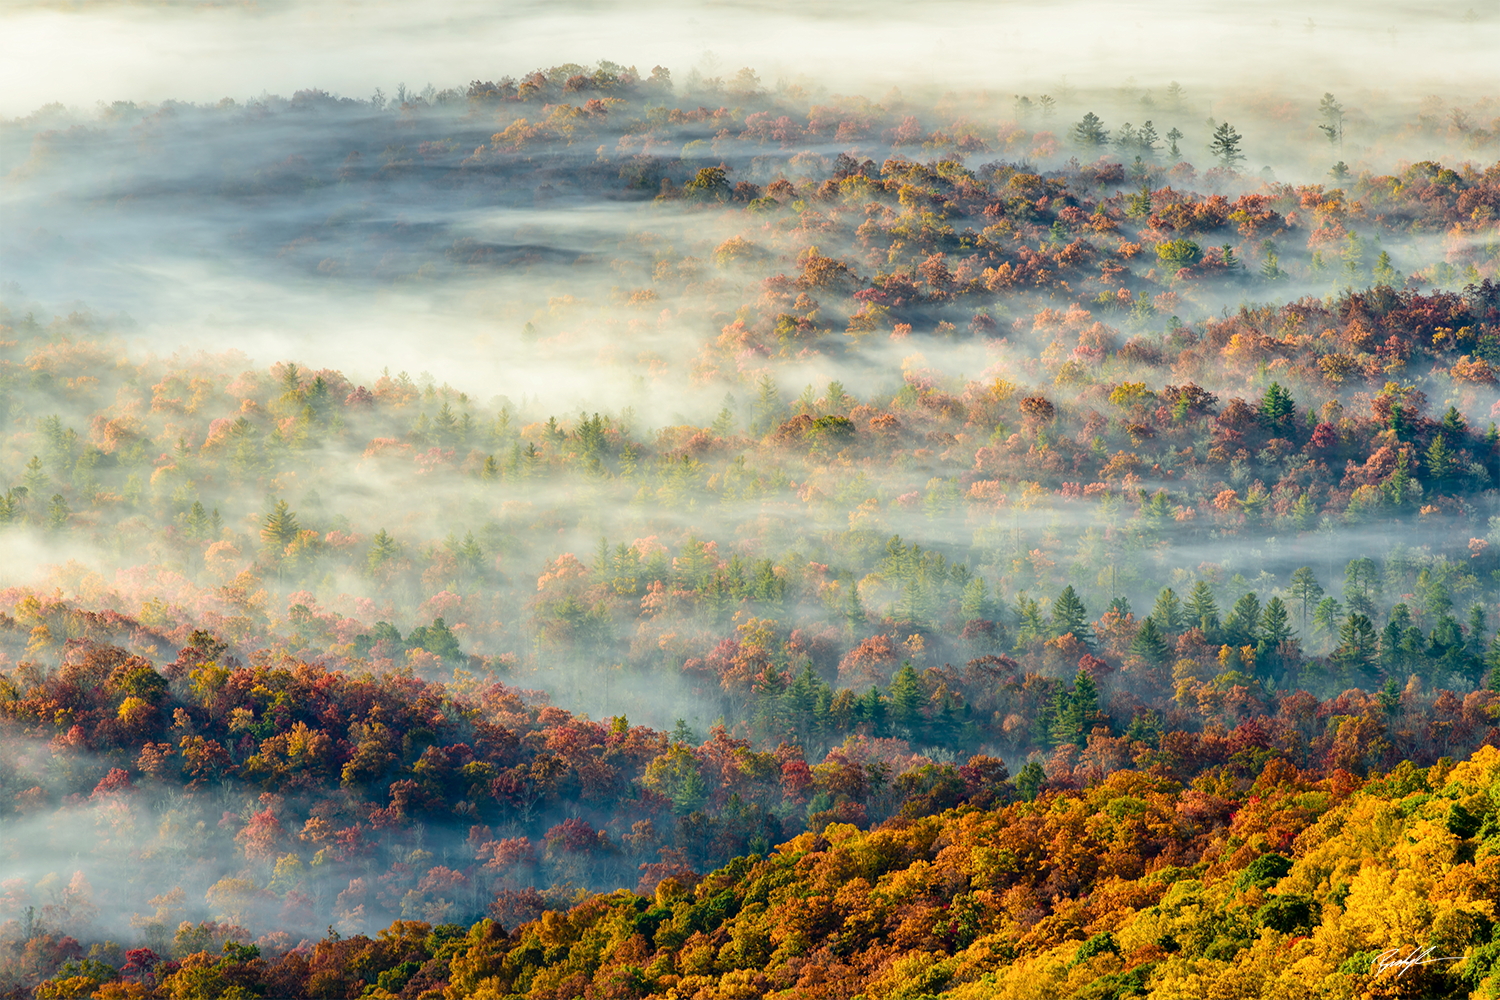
<point x="899" y="544"/>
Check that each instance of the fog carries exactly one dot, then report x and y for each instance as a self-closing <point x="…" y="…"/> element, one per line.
<point x="604" y="425"/>
<point x="200" y="53"/>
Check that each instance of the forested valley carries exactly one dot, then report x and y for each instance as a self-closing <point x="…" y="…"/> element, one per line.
<point x="892" y="546"/>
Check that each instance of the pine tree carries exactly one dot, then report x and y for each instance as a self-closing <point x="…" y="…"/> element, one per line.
<point x="1168" y="613"/>
<point x="1226" y="145"/>
<point x="1032" y="626"/>
<point x="1149" y="644"/>
<point x="1278" y="412"/>
<point x="1275" y="626"/>
<point x="1306" y="589"/>
<point x="1332" y="113"/>
<point x="872" y="709"/>
<point x="1389" y="698"/>
<point x="1070" y="616"/>
<point x="1173" y="137"/>
<point x="36" y="479"/>
<point x="280" y="527"/>
<point x="383" y="549"/>
<point x="768" y="407"/>
<point x="1326" y="618"/>
<point x="1242" y="625"/>
<point x="57" y="513"/>
<point x="1202" y="611"/>
<point x="1030" y="781"/>
<point x="975" y="602"/>
<point x="1440" y="462"/>
<point x="1362" y="584"/>
<point x="906" y="699"/>
<point x="1385" y="273"/>
<point x="1400" y="488"/>
<point x="1089" y="133"/>
<point x="1357" y="644"/>
<point x="1474" y="636"/>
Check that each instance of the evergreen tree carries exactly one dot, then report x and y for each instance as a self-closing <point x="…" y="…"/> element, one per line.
<point x="854" y="610"/>
<point x="1242" y="625"/>
<point x="1385" y="273"/>
<point x="1069" y="616"/>
<point x="873" y="710"/>
<point x="1278" y="412"/>
<point x="1440" y="462"/>
<point x="36" y="479"/>
<point x="1389" y="698"/>
<point x="768" y="406"/>
<point x="1089" y="133"/>
<point x="1362" y="585"/>
<point x="1168" y="613"/>
<point x="1306" y="589"/>
<point x="906" y="699"/>
<point x="1275" y="626"/>
<point x="1332" y="113"/>
<point x="1357" y="644"/>
<point x="280" y="527"/>
<point x="383" y="549"/>
<point x="1326" y="618"/>
<point x="1202" y="612"/>
<point x="57" y="513"/>
<point x="1032" y="627"/>
<point x="1492" y="660"/>
<point x="1226" y="145"/>
<point x="1030" y="781"/>
<point x="975" y="602"/>
<point x="1475" y="632"/>
<point x="1149" y="644"/>
<point x="1399" y="489"/>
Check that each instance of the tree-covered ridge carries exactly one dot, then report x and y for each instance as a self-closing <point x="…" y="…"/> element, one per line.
<point x="359" y="798"/>
<point x="1249" y="882"/>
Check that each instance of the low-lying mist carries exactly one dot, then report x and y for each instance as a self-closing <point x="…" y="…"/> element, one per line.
<point x="457" y="500"/>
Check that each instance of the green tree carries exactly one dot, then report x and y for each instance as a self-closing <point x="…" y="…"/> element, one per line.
<point x="1385" y="273"/>
<point x="709" y="185"/>
<point x="1326" y="618"/>
<point x="1173" y="137"/>
<point x="1362" y="585"/>
<point x="1070" y="616"/>
<point x="280" y="527"/>
<point x="1029" y="782"/>
<point x="383" y="549"/>
<point x="1275" y="625"/>
<point x="1150" y="645"/>
<point x="906" y="699"/>
<point x="1357" y="644"/>
<point x="1278" y="412"/>
<point x="36" y="479"/>
<point x="768" y="406"/>
<point x="1032" y="626"/>
<point x="57" y="513"/>
<point x="1306" y="589"/>
<point x="1226" y="145"/>
<point x="1168" y="613"/>
<point x="1242" y="624"/>
<point x="976" y="602"/>
<point x="1332" y="113"/>
<point x="1475" y="631"/>
<point x="1440" y="462"/>
<point x="1089" y="133"/>
<point x="1202" y="610"/>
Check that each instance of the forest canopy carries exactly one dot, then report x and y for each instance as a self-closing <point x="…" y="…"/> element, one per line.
<point x="887" y="546"/>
